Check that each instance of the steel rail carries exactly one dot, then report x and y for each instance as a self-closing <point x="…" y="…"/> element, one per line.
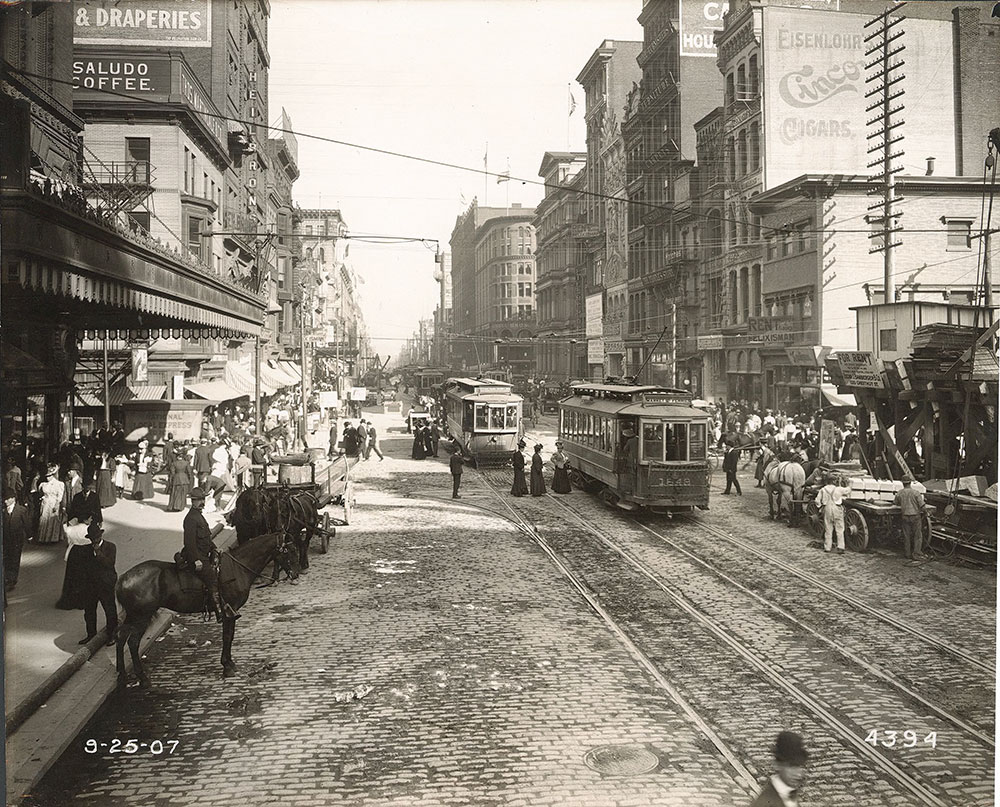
<point x="857" y="603"/>
<point x="742" y="774"/>
<point x="909" y="782"/>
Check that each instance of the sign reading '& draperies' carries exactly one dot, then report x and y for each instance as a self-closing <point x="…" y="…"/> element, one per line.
<point x="143" y="22"/>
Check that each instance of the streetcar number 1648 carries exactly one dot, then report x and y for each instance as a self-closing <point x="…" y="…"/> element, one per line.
<point x="904" y="739"/>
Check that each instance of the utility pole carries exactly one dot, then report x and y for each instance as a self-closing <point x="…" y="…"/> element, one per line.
<point x="884" y="69"/>
<point x="107" y="388"/>
<point x="304" y="370"/>
<point x="673" y="344"/>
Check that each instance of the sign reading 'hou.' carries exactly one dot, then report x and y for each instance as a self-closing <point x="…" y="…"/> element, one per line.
<point x="145" y="23"/>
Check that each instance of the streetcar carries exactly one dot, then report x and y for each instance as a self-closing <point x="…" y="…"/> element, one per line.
<point x="637" y="446"/>
<point x="484" y="416"/>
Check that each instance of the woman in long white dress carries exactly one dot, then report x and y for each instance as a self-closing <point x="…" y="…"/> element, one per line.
<point x="50" y="519"/>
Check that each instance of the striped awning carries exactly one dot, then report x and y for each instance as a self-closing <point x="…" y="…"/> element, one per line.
<point x="215" y="390"/>
<point x="239" y="379"/>
<point x="281" y="371"/>
<point x="292" y="369"/>
<point x="121" y="394"/>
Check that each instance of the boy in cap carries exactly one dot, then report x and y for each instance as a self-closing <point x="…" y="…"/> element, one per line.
<point x="781" y="790"/>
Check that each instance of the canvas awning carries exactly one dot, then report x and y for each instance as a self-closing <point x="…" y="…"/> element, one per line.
<point x="120" y="394"/>
<point x="279" y="371"/>
<point x="292" y="369"/>
<point x="834" y="398"/>
<point x="242" y="380"/>
<point x="215" y="390"/>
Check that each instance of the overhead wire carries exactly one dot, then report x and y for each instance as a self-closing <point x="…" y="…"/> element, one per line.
<point x="431" y="161"/>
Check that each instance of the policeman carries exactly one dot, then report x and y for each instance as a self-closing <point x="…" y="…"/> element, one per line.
<point x="201" y="551"/>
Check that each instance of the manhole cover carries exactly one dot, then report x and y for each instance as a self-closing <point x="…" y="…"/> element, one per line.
<point x="621" y="760"/>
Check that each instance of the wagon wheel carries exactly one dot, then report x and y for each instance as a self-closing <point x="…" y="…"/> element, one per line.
<point x="324" y="537"/>
<point x="815" y="519"/>
<point x="855" y="530"/>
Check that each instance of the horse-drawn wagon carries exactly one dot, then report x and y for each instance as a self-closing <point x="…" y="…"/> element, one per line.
<point x="870" y="513"/>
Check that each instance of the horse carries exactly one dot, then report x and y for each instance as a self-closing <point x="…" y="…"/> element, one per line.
<point x="278" y="510"/>
<point x="783" y="479"/>
<point x="250" y="515"/>
<point x="155" y="584"/>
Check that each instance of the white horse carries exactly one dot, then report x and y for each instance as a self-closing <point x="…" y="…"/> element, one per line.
<point x="785" y="480"/>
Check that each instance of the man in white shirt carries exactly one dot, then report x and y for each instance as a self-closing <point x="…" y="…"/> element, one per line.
<point x="831" y="503"/>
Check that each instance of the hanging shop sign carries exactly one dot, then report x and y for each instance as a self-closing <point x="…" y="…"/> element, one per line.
<point x="595" y="315"/>
<point x="860" y="369"/>
<point x="595" y="351"/>
<point x="711" y="341"/>
<point x="140" y="365"/>
<point x="143" y="23"/>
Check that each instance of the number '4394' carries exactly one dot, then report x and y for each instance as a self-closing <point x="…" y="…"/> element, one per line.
<point x="901" y="739"/>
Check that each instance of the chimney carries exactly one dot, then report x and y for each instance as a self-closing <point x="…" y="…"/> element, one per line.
<point x="930" y="166"/>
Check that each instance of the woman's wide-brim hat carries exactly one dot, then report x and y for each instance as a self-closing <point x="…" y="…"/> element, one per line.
<point x="538" y="446"/>
<point x="559" y="443"/>
<point x="52" y="470"/>
<point x="521" y="444"/>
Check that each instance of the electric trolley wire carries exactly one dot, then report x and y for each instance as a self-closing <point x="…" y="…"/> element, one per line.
<point x="443" y="163"/>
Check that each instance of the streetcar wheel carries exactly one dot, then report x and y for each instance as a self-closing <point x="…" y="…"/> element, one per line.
<point x="855" y="531"/>
<point x="815" y="519"/>
<point x="576" y="479"/>
<point x="324" y="537"/>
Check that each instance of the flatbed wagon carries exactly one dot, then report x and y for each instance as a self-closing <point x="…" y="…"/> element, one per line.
<point x="865" y="522"/>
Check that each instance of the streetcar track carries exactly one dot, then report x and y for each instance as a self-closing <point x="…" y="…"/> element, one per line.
<point x="885" y="676"/>
<point x="743" y="775"/>
<point x="856" y="602"/>
<point x="916" y="784"/>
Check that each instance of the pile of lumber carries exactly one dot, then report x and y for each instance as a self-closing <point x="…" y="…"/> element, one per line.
<point x="935" y="349"/>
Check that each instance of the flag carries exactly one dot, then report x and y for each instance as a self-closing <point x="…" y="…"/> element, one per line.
<point x="503" y="176"/>
<point x="572" y="102"/>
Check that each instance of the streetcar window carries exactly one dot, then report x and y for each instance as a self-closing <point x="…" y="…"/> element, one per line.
<point x="496" y="417"/>
<point x="562" y="423"/>
<point x="697" y="442"/>
<point x="467" y="417"/>
<point x="609" y="426"/>
<point x="482" y="416"/>
<point x="588" y="428"/>
<point x="676" y="442"/>
<point x="652" y="441"/>
<point x="512" y="416"/>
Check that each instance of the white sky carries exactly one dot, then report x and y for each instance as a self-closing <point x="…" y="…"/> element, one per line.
<point x="436" y="79"/>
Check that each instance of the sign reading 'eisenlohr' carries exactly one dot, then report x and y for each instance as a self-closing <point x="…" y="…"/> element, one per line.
<point x="176" y="23"/>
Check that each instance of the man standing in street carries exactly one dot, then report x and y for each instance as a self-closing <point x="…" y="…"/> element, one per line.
<point x="729" y="464"/>
<point x="911" y="502"/>
<point x="373" y="441"/>
<point x="455" y="463"/>
<point x="200" y="550"/>
<point x="435" y="436"/>
<point x="16" y="530"/>
<point x="790" y="757"/>
<point x="98" y="583"/>
<point x="363" y="439"/>
<point x="203" y="460"/>
<point x="831" y="503"/>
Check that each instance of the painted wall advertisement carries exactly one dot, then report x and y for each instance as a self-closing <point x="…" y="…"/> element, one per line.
<point x="595" y="316"/>
<point x="595" y="351"/>
<point x="700" y="20"/>
<point x="814" y="112"/>
<point x="138" y="75"/>
<point x="143" y="23"/>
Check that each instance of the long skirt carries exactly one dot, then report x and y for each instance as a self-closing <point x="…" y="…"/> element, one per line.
<point x="75" y="586"/>
<point x="537" y="483"/>
<point x="520" y="486"/>
<point x="142" y="488"/>
<point x="560" y="481"/>
<point x="419" y="451"/>
<point x="178" y="496"/>
<point x="106" y="491"/>
<point x="50" y="522"/>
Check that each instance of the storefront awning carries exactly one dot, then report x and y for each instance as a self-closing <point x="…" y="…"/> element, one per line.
<point x="120" y="394"/>
<point x="834" y="398"/>
<point x="215" y="390"/>
<point x="242" y="380"/>
<point x="292" y="369"/>
<point x="280" y="372"/>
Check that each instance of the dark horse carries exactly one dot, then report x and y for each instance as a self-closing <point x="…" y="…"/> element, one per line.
<point x="155" y="584"/>
<point x="293" y="513"/>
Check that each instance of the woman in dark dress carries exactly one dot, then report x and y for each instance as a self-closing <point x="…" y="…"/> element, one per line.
<point x="560" y="476"/>
<point x="419" y="443"/>
<point x="537" y="479"/>
<point x="520" y="486"/>
<point x="106" y="491"/>
<point x="142" y="486"/>
<point x="180" y="482"/>
<point x="76" y="582"/>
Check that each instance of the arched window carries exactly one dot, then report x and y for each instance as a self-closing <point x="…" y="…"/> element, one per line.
<point x="730" y="88"/>
<point x="753" y="147"/>
<point x="741" y="153"/>
<point x="741" y="82"/>
<point x="754" y="77"/>
<point x="731" y="153"/>
<point x="732" y="298"/>
<point x="755" y="296"/>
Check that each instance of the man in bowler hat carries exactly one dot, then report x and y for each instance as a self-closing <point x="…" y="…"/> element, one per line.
<point x="781" y="790"/>
<point x="455" y="463"/>
<point x="99" y="584"/>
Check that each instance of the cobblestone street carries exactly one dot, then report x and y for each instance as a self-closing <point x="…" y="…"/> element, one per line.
<point x="437" y="656"/>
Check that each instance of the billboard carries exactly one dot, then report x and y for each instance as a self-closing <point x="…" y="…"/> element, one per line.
<point x="814" y="99"/>
<point x="595" y="315"/>
<point x="700" y="19"/>
<point x="130" y="75"/>
<point x="122" y="23"/>
<point x="595" y="351"/>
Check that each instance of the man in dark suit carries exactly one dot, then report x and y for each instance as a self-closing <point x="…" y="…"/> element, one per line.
<point x="203" y="460"/>
<point x="455" y="464"/>
<point x="781" y="790"/>
<point x="16" y="530"/>
<point x="99" y="584"/>
<point x="201" y="551"/>
<point x="729" y="464"/>
<point x="86" y="504"/>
